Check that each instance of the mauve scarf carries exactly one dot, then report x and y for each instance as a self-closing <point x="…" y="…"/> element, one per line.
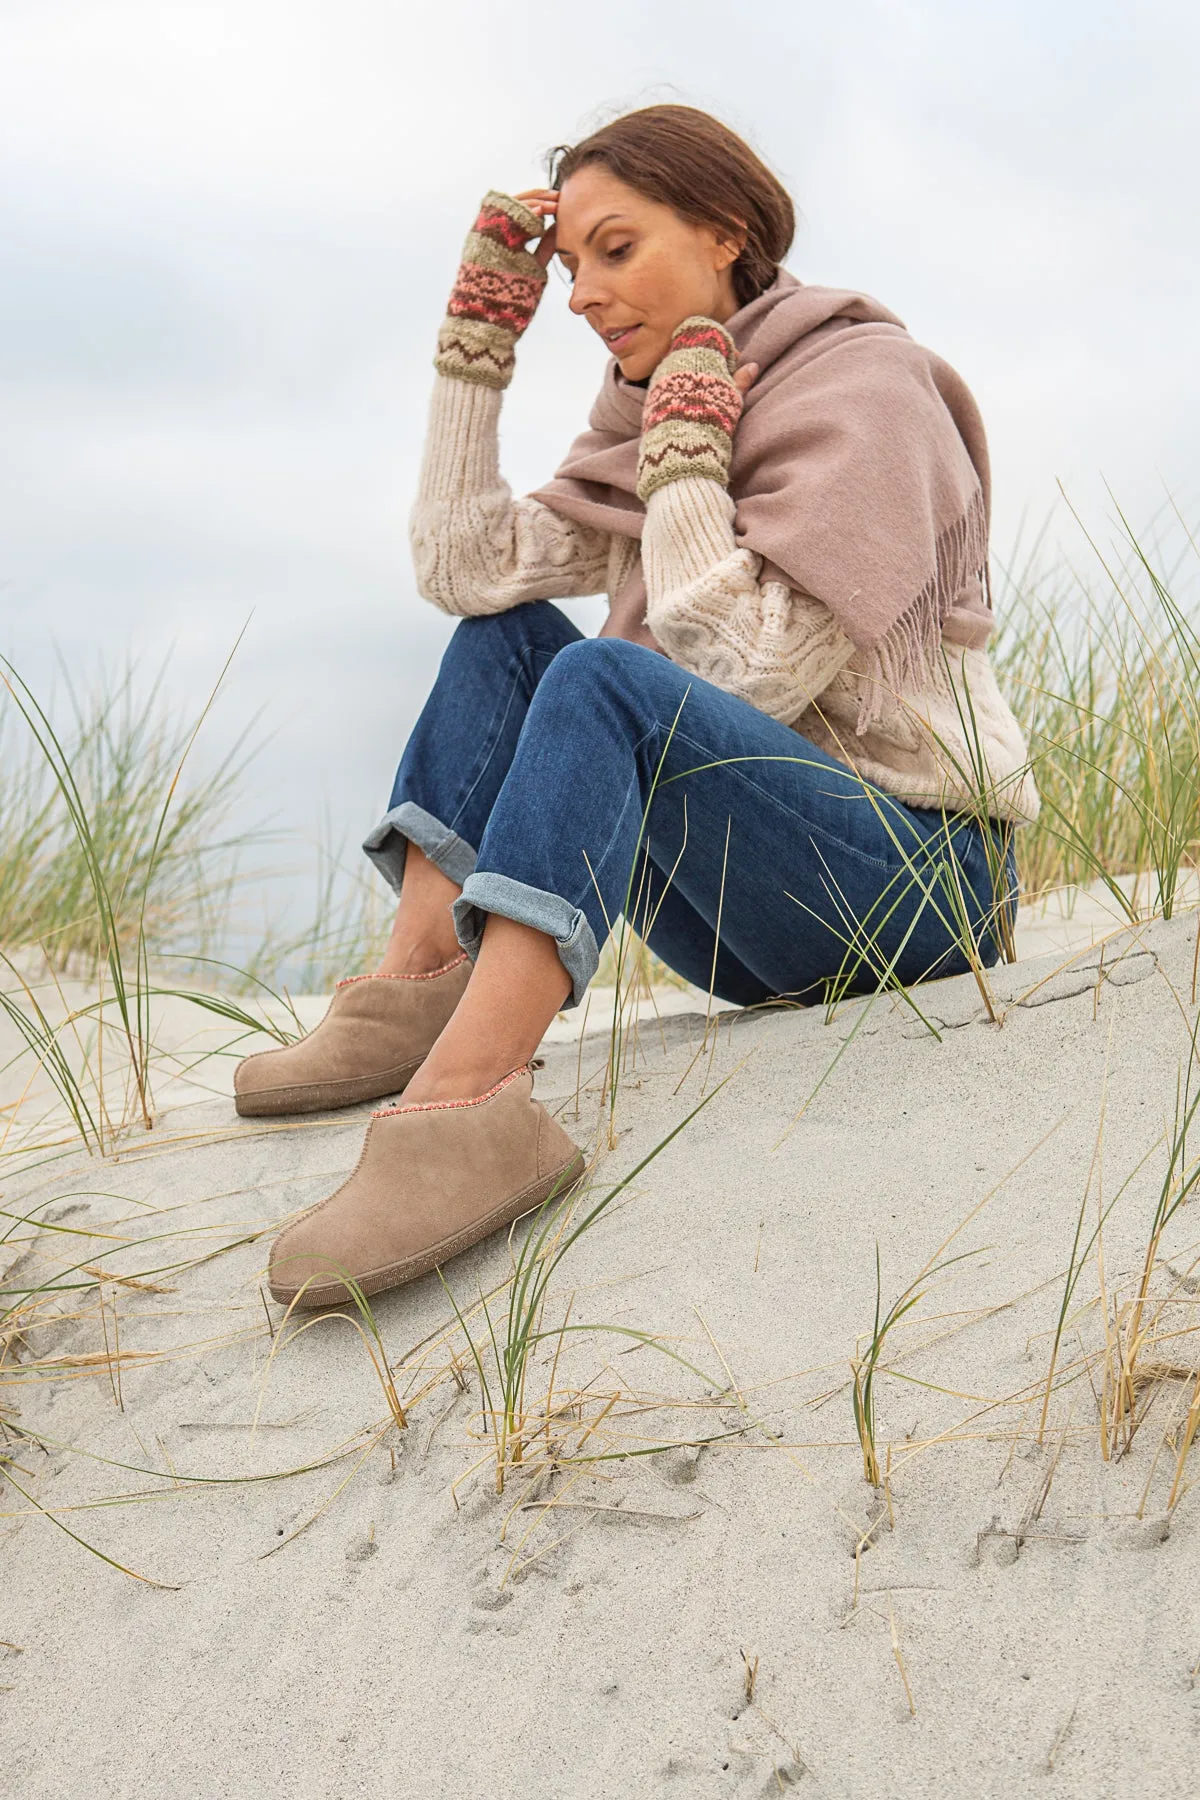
<point x="860" y="476"/>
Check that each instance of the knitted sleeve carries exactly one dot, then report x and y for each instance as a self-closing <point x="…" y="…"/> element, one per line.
<point x="495" y="293"/>
<point x="763" y="641"/>
<point x="476" y="549"/>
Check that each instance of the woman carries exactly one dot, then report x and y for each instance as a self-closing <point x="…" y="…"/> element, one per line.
<point x="788" y="723"/>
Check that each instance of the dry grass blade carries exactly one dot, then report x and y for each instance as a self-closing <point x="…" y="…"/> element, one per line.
<point x="1060" y="1738"/>
<point x="1180" y="1178"/>
<point x="167" y="1586"/>
<point x="899" y="1656"/>
<point x="1190" y="1428"/>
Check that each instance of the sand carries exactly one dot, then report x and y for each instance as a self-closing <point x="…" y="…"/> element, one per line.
<point x="742" y="1618"/>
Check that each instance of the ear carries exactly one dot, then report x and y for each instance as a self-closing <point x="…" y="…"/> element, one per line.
<point x="728" y="248"/>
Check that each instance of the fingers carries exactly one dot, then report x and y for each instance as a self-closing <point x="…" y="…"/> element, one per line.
<point x="744" y="377"/>
<point x="543" y="202"/>
<point x="539" y="200"/>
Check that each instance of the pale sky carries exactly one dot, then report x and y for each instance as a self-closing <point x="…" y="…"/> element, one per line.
<point x="228" y="229"/>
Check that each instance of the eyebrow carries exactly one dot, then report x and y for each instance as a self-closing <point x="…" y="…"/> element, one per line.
<point x="607" y="219"/>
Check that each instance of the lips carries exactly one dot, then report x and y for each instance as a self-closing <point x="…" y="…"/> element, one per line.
<point x="620" y="338"/>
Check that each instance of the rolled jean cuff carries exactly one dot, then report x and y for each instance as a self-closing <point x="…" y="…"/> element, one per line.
<point x="408" y="823"/>
<point x="489" y="893"/>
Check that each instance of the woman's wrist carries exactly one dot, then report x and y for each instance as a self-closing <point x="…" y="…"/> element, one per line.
<point x="691" y="409"/>
<point x="495" y="295"/>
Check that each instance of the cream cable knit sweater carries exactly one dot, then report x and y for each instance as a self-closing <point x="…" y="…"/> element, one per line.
<point x="477" y="550"/>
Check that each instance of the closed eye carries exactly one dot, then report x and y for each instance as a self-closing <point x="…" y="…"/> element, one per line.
<point x="616" y="254"/>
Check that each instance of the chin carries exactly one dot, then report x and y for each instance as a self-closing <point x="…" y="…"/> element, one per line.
<point x="641" y="365"/>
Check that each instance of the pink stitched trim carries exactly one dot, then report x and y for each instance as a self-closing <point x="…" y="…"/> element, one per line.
<point x="387" y="1112"/>
<point x="497" y="222"/>
<point x="431" y="975"/>
<point x="707" y="335"/>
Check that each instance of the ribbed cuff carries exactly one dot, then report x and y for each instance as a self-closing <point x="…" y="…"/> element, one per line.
<point x="566" y="924"/>
<point x="408" y="823"/>
<point x="462" y="444"/>
<point x="688" y="534"/>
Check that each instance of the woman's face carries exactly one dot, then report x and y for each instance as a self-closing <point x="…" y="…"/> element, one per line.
<point x="637" y="269"/>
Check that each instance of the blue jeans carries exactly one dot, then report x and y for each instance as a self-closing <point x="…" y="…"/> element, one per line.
<point x="562" y="781"/>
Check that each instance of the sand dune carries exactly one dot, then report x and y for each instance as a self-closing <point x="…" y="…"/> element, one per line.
<point x="698" y="1594"/>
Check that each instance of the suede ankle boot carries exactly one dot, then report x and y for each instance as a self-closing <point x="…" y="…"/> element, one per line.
<point x="432" y="1180"/>
<point x="378" y="1031"/>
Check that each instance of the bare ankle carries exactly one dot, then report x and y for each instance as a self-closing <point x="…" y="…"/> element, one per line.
<point x="423" y="957"/>
<point x="423" y="937"/>
<point x="443" y="1080"/>
<point x="517" y="985"/>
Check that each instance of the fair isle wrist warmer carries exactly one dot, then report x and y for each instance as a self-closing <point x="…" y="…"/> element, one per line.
<point x="691" y="409"/>
<point x="495" y="295"/>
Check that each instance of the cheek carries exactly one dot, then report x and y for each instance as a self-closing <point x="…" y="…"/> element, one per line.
<point x="676" y="285"/>
<point x="656" y="286"/>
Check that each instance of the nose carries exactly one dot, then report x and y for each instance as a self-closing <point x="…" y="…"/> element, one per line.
<point x="586" y="292"/>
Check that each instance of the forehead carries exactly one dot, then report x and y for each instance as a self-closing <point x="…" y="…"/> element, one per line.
<point x="589" y="196"/>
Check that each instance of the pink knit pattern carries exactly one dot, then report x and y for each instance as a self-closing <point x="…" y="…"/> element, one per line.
<point x="495" y="295"/>
<point x="711" y="399"/>
<point x="702" y="334"/>
<point x="496" y="221"/>
<point x="691" y="409"/>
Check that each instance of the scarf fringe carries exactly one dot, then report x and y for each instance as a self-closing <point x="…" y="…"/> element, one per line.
<point x="910" y="652"/>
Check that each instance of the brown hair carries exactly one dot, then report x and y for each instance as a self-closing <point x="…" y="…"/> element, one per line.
<point x="689" y="161"/>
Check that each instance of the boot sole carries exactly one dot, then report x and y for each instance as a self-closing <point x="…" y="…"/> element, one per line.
<point x="325" y="1096"/>
<point x="333" y="1293"/>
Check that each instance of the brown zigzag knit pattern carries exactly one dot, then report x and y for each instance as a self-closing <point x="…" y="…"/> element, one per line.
<point x="495" y="295"/>
<point x="691" y="409"/>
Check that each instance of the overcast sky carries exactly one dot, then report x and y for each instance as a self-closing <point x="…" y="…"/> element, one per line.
<point x="228" y="229"/>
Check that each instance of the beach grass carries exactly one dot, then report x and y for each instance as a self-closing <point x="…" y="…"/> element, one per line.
<point x="1102" y="667"/>
<point x="112" y="837"/>
<point x="106" y="756"/>
<point x="868" y="1363"/>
